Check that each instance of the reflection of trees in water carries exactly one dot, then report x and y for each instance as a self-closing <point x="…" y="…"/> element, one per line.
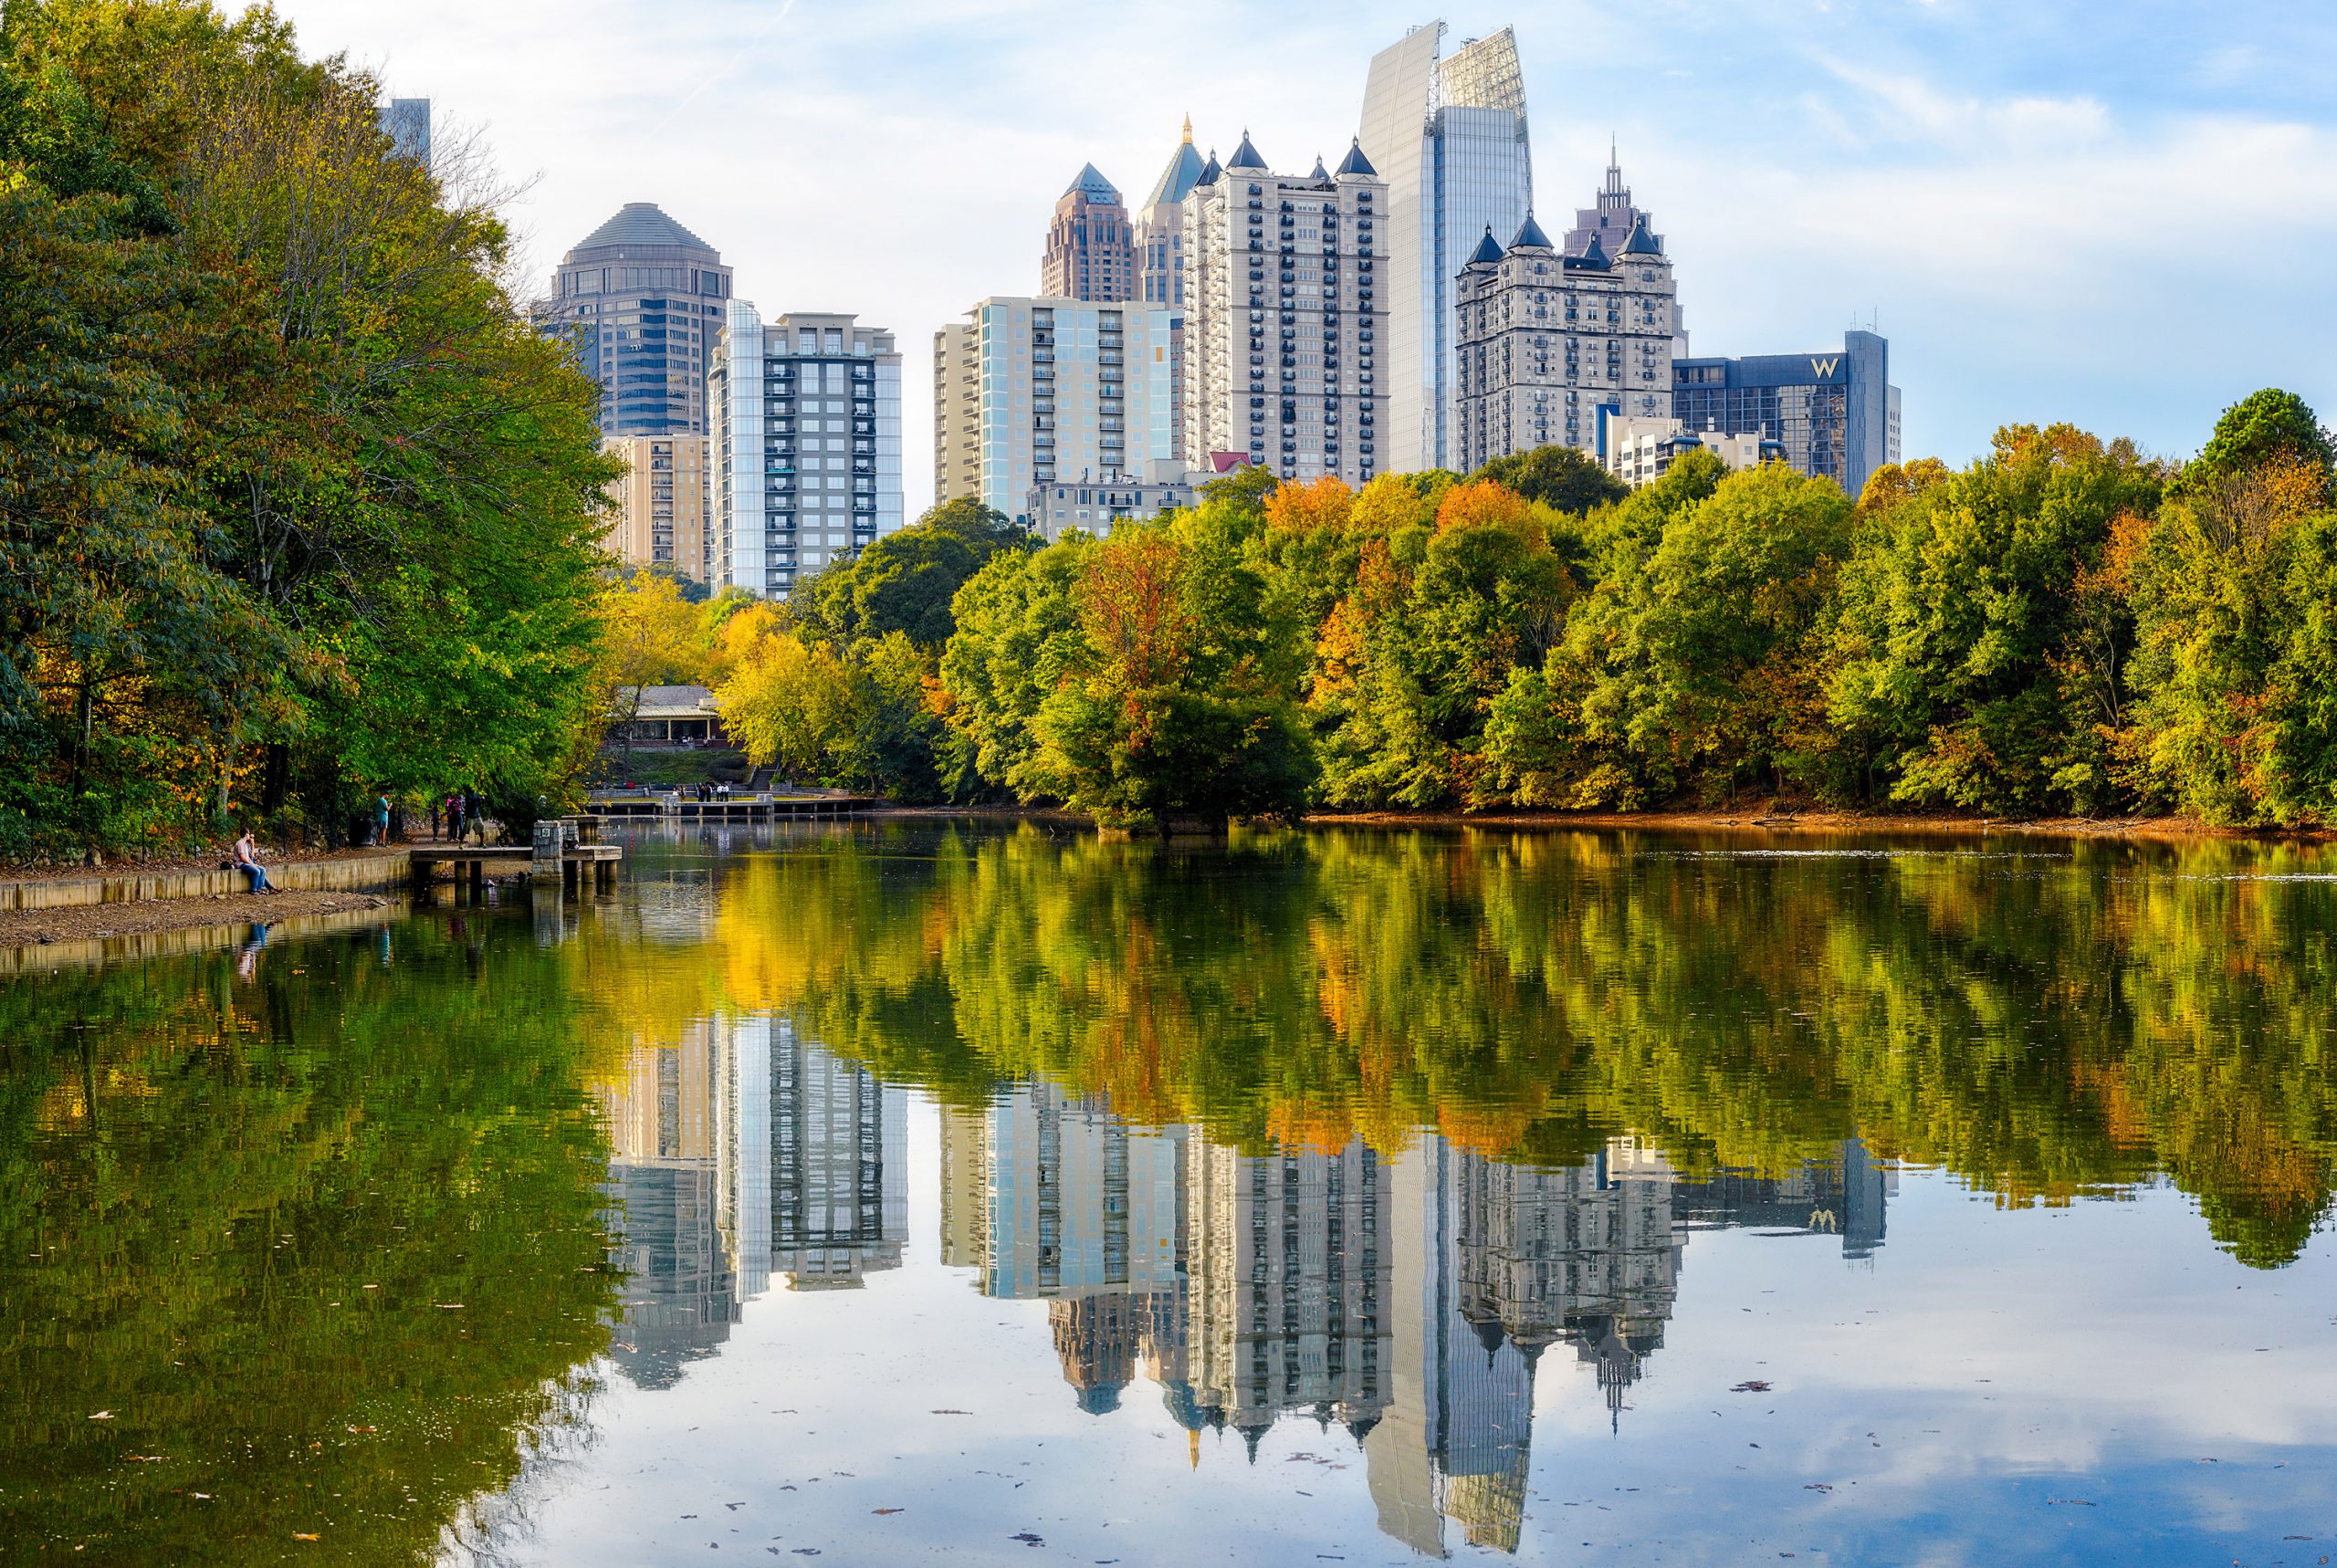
<point x="325" y="1239"/>
<point x="2065" y="1021"/>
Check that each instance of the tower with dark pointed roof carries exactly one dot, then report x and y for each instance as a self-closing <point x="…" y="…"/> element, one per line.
<point x="1283" y="286"/>
<point x="1557" y="343"/>
<point x="1091" y="245"/>
<point x="641" y="298"/>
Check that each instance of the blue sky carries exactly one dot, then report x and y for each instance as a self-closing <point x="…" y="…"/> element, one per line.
<point x="2119" y="214"/>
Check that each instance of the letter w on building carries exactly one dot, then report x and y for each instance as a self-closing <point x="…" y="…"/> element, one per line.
<point x="1823" y="368"/>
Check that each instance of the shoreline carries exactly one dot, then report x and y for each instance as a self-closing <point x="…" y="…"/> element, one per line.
<point x="2140" y="830"/>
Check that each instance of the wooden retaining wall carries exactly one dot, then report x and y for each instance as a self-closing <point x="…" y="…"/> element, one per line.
<point x="356" y="873"/>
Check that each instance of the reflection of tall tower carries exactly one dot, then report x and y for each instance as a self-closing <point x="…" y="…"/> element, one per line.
<point x="839" y="1178"/>
<point x="739" y="1150"/>
<point x="681" y="1294"/>
<point x="1289" y="1275"/>
<point x="1050" y="1197"/>
<point x="1493" y="1263"/>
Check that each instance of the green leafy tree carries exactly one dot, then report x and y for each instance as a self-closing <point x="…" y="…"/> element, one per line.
<point x="1959" y="620"/>
<point x="1564" y="479"/>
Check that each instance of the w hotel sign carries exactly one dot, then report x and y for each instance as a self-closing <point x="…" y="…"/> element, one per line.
<point x="1823" y="370"/>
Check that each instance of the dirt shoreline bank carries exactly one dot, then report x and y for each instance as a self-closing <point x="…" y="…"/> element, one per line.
<point x="97" y="921"/>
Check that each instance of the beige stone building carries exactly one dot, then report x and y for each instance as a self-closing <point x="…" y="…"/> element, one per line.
<point x="1283" y="316"/>
<point x="661" y="503"/>
<point x="957" y="411"/>
<point x="1552" y="345"/>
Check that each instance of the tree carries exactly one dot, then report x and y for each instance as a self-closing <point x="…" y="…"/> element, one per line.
<point x="1564" y="479"/>
<point x="1957" y="626"/>
<point x="1697" y="668"/>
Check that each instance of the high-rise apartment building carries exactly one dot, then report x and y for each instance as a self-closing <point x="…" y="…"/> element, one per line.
<point x="1836" y="412"/>
<point x="641" y="298"/>
<point x="1284" y="318"/>
<point x="1448" y="136"/>
<point x="1091" y="245"/>
<point x="807" y="448"/>
<point x="957" y="411"/>
<point x="1610" y="220"/>
<point x="1553" y="346"/>
<point x="1034" y="390"/>
<point x="662" y="504"/>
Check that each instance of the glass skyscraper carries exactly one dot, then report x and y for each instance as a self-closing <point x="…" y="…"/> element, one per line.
<point x="641" y="298"/>
<point x="1449" y="136"/>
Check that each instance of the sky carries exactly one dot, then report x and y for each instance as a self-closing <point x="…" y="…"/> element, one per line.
<point x="2118" y="212"/>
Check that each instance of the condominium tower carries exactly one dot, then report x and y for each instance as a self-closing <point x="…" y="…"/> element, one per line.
<point x="1283" y="316"/>
<point x="1029" y="390"/>
<point x="1448" y="138"/>
<point x="641" y="298"/>
<point x="662" y="504"/>
<point x="1161" y="255"/>
<point x="1553" y="346"/>
<point x="807" y="450"/>
<point x="1091" y="246"/>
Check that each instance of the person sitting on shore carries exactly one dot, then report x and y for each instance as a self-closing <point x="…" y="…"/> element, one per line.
<point x="247" y="861"/>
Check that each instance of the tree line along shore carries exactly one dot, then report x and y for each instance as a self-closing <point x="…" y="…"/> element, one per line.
<point x="298" y="508"/>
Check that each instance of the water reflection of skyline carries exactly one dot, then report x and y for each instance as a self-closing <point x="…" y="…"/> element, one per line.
<point x="1407" y="1300"/>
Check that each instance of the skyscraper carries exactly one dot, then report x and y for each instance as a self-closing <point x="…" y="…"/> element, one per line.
<point x="1552" y="347"/>
<point x="1036" y="390"/>
<point x="406" y="122"/>
<point x="1160" y="260"/>
<point x="1283" y="317"/>
<point x="642" y="298"/>
<point x="1836" y="410"/>
<point x="1611" y="219"/>
<point x="1091" y="248"/>
<point x="662" y="504"/>
<point x="1160" y="227"/>
<point x="1448" y="136"/>
<point x="807" y="447"/>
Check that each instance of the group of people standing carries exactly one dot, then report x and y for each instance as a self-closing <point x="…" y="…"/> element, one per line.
<point x="706" y="792"/>
<point x="461" y="813"/>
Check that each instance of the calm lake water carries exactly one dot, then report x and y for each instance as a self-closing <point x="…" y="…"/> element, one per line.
<point x="890" y="1195"/>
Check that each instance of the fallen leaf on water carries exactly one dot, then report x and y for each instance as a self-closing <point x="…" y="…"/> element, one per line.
<point x="450" y="1306"/>
<point x="297" y="1536"/>
<point x="1751" y="1386"/>
<point x="887" y="1510"/>
<point x="1027" y="1539"/>
<point x="1818" y="1486"/>
<point x="102" y="1416"/>
<point x="952" y="1412"/>
<point x="2069" y="1501"/>
<point x="360" y="1428"/>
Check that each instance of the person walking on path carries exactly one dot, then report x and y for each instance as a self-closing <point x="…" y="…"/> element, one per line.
<point x="382" y="818"/>
<point x="475" y="808"/>
<point x="247" y="861"/>
<point x="455" y="815"/>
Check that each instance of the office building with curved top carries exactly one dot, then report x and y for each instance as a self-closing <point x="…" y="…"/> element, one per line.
<point x="641" y="298"/>
<point x="1449" y="136"/>
<point x="1284" y="318"/>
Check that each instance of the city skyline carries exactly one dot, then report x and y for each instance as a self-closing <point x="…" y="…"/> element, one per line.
<point x="1812" y="167"/>
<point x="1406" y="1298"/>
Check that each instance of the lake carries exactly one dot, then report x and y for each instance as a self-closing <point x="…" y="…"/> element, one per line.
<point x="886" y="1193"/>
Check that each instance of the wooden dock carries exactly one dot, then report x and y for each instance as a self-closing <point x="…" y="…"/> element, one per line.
<point x="471" y="863"/>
